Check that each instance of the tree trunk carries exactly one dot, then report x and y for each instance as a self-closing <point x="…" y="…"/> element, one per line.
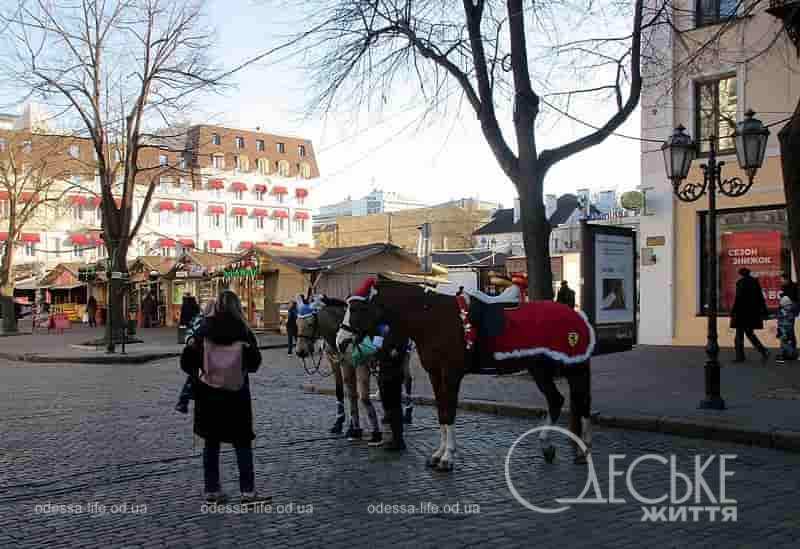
<point x="536" y="237"/>
<point x="116" y="317"/>
<point x="789" y="138"/>
<point x="7" y="287"/>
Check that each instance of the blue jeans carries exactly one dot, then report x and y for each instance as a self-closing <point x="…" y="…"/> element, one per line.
<point x="244" y="457"/>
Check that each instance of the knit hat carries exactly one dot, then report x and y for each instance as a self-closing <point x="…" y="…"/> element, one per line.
<point x="365" y="291"/>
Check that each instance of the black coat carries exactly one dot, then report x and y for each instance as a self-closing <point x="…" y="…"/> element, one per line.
<point x="790" y="290"/>
<point x="566" y="296"/>
<point x="189" y="310"/>
<point x="226" y="416"/>
<point x="750" y="307"/>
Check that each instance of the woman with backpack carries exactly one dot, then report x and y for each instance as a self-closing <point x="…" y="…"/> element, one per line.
<point x="219" y="356"/>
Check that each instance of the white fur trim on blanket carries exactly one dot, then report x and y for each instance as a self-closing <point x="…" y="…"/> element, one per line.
<point x="555" y="355"/>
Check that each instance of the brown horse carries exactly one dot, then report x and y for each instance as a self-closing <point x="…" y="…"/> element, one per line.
<point x="432" y="321"/>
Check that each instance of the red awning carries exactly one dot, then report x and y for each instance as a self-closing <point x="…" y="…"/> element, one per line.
<point x="96" y="201"/>
<point x="259" y="212"/>
<point x="301" y="193"/>
<point x="186" y="242"/>
<point x="216" y="210"/>
<point x="238" y="186"/>
<point x="30" y="237"/>
<point x="3" y="237"/>
<point x="238" y="211"/>
<point x="4" y="195"/>
<point x="78" y="200"/>
<point x="27" y="197"/>
<point x="216" y="184"/>
<point x="166" y="205"/>
<point x="301" y="215"/>
<point x="98" y="241"/>
<point x="279" y="190"/>
<point x="166" y="243"/>
<point x="185" y="207"/>
<point x="79" y="239"/>
<point x="214" y="244"/>
<point x="280" y="214"/>
<point x="260" y="188"/>
<point x="245" y="245"/>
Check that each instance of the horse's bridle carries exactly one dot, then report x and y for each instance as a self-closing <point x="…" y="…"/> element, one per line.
<point x="313" y="339"/>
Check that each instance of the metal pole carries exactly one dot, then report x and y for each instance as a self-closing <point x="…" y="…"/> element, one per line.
<point x="712" y="173"/>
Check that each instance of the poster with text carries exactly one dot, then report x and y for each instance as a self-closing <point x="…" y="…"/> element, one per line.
<point x="759" y="251"/>
<point x="614" y="278"/>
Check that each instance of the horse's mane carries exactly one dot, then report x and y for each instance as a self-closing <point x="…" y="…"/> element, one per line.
<point x="333" y="302"/>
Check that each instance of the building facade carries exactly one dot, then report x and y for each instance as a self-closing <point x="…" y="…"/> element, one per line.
<point x="376" y="202"/>
<point x="224" y="190"/>
<point x="708" y="96"/>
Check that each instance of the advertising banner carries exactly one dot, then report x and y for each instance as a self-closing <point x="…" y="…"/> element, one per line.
<point x="614" y="278"/>
<point x="759" y="251"/>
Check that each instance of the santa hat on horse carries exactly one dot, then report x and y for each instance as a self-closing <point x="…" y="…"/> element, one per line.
<point x="365" y="291"/>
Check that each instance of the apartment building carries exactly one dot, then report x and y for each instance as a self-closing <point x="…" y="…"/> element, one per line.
<point x="218" y="189"/>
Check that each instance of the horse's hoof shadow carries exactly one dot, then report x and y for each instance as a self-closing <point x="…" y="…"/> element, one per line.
<point x="549" y="454"/>
<point x="432" y="463"/>
<point x="445" y="467"/>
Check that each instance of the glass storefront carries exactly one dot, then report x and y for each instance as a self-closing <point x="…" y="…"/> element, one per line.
<point x="755" y="238"/>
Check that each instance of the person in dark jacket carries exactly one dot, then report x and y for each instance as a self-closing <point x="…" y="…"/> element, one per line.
<point x="790" y="290"/>
<point x="566" y="295"/>
<point x="221" y="415"/>
<point x="392" y="357"/>
<point x="189" y="310"/>
<point x="91" y="311"/>
<point x="148" y="310"/>
<point x="748" y="314"/>
<point x="291" y="325"/>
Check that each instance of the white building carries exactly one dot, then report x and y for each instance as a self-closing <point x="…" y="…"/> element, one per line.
<point x="377" y="201"/>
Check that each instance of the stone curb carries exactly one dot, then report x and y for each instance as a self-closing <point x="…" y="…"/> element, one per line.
<point x="692" y="428"/>
<point x="116" y="358"/>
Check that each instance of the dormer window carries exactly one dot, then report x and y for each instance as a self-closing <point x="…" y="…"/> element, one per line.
<point x="239" y="142"/>
<point x="711" y="12"/>
<point x="215" y="139"/>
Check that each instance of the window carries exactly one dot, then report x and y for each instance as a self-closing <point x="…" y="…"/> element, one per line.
<point x="244" y="163"/>
<point x="77" y="251"/>
<point x="162" y="160"/>
<point x="165" y="217"/>
<point x="259" y="221"/>
<point x="184" y="161"/>
<point x="215" y="140"/>
<point x="214" y="221"/>
<point x="5" y="208"/>
<point x="218" y="161"/>
<point x="301" y="200"/>
<point x="305" y="171"/>
<point x="756" y="238"/>
<point x="301" y="150"/>
<point x="281" y="148"/>
<point x="98" y="215"/>
<point x="279" y="198"/>
<point x="237" y="162"/>
<point x="260" y="195"/>
<point x="186" y="219"/>
<point x="263" y="166"/>
<point x="238" y="195"/>
<point x="117" y="155"/>
<point x="715" y="104"/>
<point x="27" y="146"/>
<point x="710" y="12"/>
<point x="300" y="225"/>
<point x="74" y="151"/>
<point x="260" y="145"/>
<point x="30" y="249"/>
<point x="77" y="212"/>
<point x="280" y="226"/>
<point x="239" y="142"/>
<point x="283" y="168"/>
<point x="238" y="221"/>
<point x="3" y="144"/>
<point x="217" y="193"/>
<point x="166" y="252"/>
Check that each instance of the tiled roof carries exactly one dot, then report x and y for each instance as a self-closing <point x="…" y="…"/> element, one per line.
<point x="503" y="220"/>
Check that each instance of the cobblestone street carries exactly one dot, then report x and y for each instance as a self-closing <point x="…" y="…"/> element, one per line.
<point x="106" y="441"/>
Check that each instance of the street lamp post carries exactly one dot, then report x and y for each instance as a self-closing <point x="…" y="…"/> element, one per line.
<point x="679" y="151"/>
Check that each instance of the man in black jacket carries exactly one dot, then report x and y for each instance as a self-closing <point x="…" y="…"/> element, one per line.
<point x="748" y="314"/>
<point x="566" y="295"/>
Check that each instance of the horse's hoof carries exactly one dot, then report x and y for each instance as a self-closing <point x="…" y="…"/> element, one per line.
<point x="549" y="454"/>
<point x="445" y="466"/>
<point x="432" y="462"/>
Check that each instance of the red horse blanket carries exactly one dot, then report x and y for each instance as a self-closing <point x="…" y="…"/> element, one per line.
<point x="538" y="328"/>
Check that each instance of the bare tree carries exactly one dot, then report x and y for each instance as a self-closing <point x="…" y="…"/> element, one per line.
<point x="512" y="57"/>
<point x="34" y="178"/>
<point x="120" y="71"/>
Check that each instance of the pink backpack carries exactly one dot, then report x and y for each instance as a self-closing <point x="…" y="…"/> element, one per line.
<point x="222" y="365"/>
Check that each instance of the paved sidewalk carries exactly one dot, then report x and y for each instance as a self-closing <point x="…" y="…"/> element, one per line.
<point x="52" y="347"/>
<point x="655" y="389"/>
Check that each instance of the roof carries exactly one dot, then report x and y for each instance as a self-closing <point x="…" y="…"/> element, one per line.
<point x="155" y="263"/>
<point x="503" y="220"/>
<point x="310" y="259"/>
<point x="469" y="258"/>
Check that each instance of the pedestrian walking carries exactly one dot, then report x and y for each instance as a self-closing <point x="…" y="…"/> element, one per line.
<point x="219" y="359"/>
<point x="189" y="310"/>
<point x="91" y="311"/>
<point x="148" y="310"/>
<point x="748" y="314"/>
<point x="566" y="295"/>
<point x="291" y="325"/>
<point x="786" y="315"/>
